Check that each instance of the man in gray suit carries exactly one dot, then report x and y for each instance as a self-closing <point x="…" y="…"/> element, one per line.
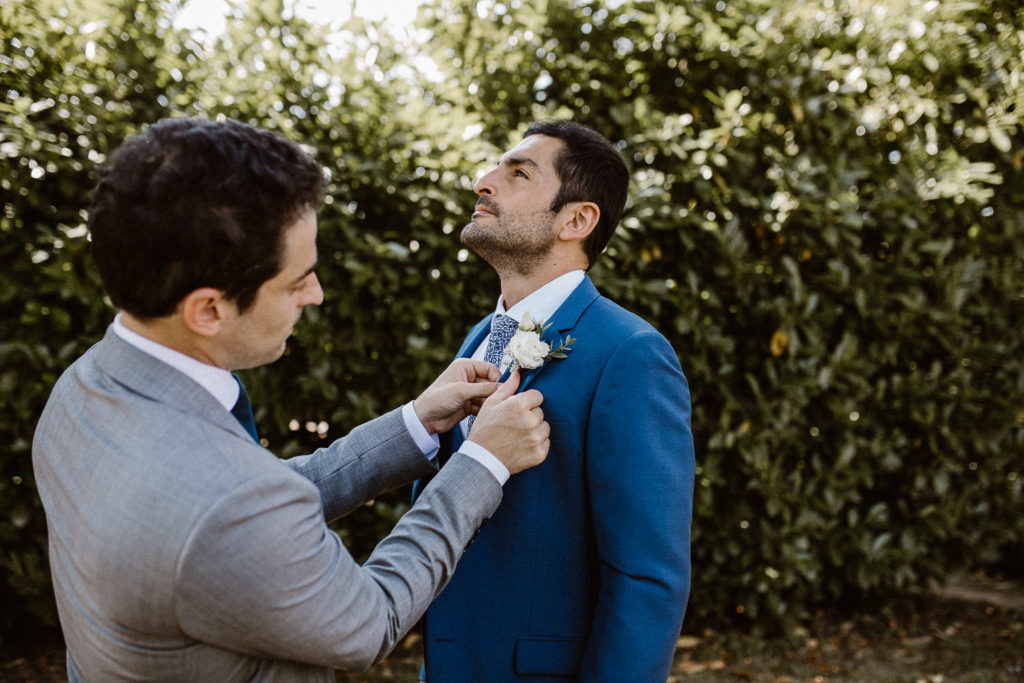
<point x="182" y="550"/>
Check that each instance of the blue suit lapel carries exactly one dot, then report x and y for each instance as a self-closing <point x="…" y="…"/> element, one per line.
<point x="475" y="337"/>
<point x="562" y="322"/>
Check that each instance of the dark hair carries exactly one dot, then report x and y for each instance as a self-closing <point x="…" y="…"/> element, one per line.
<point x="591" y="170"/>
<point x="192" y="203"/>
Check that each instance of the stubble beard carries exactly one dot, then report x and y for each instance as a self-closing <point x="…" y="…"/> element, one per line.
<point x="512" y="246"/>
<point x="254" y="357"/>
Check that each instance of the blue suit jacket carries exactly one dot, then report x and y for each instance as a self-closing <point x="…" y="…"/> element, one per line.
<point x="584" y="570"/>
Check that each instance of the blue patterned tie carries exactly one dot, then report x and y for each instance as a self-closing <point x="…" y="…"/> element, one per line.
<point x="503" y="327"/>
<point x="243" y="410"/>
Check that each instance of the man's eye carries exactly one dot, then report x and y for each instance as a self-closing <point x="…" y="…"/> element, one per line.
<point x="519" y="173"/>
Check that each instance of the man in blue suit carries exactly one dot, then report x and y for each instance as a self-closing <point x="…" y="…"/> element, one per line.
<point x="584" y="572"/>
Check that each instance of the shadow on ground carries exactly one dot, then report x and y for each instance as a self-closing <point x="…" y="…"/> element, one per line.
<point x="969" y="632"/>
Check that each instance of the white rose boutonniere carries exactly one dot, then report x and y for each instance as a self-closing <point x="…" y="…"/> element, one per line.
<point x="527" y="350"/>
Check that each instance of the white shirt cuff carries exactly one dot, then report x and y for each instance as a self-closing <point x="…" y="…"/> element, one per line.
<point x="428" y="443"/>
<point x="487" y="459"/>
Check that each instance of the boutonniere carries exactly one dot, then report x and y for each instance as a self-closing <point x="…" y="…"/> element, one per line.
<point x="527" y="350"/>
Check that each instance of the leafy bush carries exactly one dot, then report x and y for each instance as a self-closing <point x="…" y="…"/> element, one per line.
<point x="68" y="96"/>
<point x="825" y="222"/>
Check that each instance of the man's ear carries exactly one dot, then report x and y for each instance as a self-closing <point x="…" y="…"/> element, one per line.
<point x="580" y="221"/>
<point x="203" y="310"/>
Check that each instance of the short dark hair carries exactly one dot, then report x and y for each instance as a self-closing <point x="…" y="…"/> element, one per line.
<point x="591" y="170"/>
<point x="194" y="203"/>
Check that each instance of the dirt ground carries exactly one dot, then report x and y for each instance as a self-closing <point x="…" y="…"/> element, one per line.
<point x="972" y="632"/>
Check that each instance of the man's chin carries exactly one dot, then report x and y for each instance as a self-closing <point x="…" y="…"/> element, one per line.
<point x="265" y="360"/>
<point x="475" y="237"/>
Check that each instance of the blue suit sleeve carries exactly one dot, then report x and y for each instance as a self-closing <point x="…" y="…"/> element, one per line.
<point x="640" y="467"/>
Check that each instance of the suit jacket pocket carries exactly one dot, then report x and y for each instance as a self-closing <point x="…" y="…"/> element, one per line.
<point x="550" y="656"/>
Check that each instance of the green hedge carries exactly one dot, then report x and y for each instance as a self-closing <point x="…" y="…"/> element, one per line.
<point x="826" y="222"/>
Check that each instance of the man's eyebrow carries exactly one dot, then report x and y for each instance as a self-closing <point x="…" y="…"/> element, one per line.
<point x="519" y="161"/>
<point x="306" y="274"/>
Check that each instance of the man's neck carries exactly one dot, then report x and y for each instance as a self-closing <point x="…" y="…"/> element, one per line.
<point x="168" y="332"/>
<point x="517" y="286"/>
<point x="515" y="289"/>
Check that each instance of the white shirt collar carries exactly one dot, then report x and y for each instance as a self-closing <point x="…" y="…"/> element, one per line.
<point x="542" y="303"/>
<point x="219" y="382"/>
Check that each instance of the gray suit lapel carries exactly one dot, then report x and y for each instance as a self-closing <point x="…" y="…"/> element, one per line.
<point x="153" y="379"/>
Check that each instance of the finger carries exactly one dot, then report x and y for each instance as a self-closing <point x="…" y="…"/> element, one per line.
<point x="506" y="388"/>
<point x="479" y="371"/>
<point x="531" y="398"/>
<point x="475" y="391"/>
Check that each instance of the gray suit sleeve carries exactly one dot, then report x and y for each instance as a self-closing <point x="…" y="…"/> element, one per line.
<point x="375" y="457"/>
<point x="262" y="574"/>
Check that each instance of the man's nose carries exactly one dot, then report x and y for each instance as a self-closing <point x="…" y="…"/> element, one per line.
<point x="316" y="293"/>
<point x="485" y="185"/>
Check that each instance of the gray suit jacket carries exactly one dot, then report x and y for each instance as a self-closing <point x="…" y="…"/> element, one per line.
<point x="183" y="551"/>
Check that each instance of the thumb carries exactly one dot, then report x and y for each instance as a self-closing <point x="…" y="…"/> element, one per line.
<point x="506" y="388"/>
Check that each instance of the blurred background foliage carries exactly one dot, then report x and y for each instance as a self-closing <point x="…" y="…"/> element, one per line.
<point x="826" y="222"/>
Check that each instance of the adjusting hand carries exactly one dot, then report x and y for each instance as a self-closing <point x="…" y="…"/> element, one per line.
<point x="457" y="392"/>
<point x="512" y="426"/>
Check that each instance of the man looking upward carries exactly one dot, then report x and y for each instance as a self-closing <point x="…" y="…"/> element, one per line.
<point x="584" y="572"/>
